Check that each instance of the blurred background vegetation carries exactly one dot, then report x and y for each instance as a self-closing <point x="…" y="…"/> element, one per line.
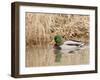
<point x="41" y="28"/>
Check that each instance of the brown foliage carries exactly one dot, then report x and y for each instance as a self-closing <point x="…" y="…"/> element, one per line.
<point x="41" y="28"/>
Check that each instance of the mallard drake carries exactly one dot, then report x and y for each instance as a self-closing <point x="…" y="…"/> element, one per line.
<point x="67" y="46"/>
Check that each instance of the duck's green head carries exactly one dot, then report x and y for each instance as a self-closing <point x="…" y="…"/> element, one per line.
<point x="58" y="40"/>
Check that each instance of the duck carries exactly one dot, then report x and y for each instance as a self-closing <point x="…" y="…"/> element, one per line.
<point x="67" y="46"/>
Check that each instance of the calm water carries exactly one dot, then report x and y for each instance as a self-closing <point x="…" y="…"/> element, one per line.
<point x="47" y="56"/>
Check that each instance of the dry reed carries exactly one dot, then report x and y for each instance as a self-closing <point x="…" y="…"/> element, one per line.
<point x="41" y="28"/>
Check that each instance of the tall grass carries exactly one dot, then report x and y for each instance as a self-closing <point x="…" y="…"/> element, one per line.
<point x="41" y="28"/>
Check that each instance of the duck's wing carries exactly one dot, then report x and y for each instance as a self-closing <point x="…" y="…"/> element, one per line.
<point x="68" y="47"/>
<point x="73" y="43"/>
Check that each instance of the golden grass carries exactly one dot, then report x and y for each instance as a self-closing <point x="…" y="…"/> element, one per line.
<point x="41" y="28"/>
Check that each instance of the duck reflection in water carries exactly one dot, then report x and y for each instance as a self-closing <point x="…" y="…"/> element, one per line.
<point x="58" y="55"/>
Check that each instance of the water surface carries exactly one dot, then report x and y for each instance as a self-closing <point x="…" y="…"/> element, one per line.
<point x="47" y="56"/>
